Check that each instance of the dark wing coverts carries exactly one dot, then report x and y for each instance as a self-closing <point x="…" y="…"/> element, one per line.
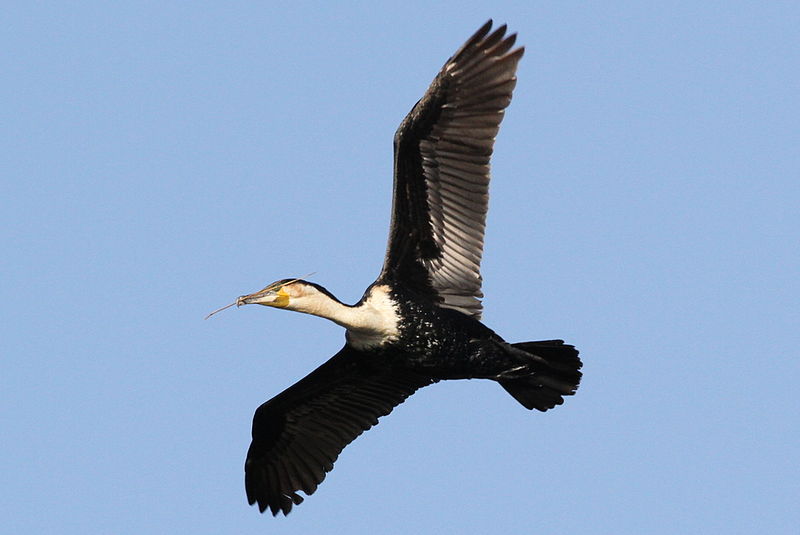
<point x="298" y="434"/>
<point x="441" y="184"/>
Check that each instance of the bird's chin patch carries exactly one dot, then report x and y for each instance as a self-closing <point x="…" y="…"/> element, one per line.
<point x="281" y="300"/>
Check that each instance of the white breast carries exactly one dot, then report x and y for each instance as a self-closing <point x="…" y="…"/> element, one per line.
<point x="375" y="321"/>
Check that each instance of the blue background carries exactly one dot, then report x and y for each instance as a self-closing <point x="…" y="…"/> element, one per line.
<point x="160" y="159"/>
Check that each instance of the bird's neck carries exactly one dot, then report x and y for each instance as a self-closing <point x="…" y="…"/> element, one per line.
<point x="372" y="322"/>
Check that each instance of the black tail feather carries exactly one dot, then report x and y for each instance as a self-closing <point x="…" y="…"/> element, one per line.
<point x="555" y="366"/>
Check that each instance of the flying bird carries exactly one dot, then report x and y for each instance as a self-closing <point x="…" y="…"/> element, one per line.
<point x="419" y="322"/>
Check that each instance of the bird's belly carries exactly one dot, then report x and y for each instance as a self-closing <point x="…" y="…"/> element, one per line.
<point x="448" y="351"/>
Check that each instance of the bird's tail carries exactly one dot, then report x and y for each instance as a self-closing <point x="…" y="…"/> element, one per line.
<point x="555" y="366"/>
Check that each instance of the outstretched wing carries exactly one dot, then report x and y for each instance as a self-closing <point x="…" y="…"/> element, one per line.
<point x="298" y="434"/>
<point x="441" y="175"/>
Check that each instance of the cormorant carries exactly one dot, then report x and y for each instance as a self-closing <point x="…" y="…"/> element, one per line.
<point x="419" y="322"/>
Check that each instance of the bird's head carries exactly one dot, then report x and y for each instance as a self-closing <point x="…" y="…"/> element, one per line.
<point x="289" y="294"/>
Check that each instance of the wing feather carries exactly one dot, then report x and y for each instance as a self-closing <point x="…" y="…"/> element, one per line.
<point x="442" y="153"/>
<point x="298" y="435"/>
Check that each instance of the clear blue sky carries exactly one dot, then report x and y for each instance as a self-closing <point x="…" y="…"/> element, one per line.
<point x="157" y="161"/>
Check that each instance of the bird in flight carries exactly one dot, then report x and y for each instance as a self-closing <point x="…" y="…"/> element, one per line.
<point x="419" y="322"/>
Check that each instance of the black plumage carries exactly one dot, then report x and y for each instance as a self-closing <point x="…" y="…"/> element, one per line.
<point x="419" y="323"/>
<point x="298" y="434"/>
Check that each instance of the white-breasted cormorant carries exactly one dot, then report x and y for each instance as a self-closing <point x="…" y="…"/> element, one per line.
<point x="419" y="322"/>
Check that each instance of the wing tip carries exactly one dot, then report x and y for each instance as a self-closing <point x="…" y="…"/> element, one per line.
<point x="265" y="500"/>
<point x="488" y="42"/>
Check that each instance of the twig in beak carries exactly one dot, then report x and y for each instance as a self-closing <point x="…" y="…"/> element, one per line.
<point x="221" y="309"/>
